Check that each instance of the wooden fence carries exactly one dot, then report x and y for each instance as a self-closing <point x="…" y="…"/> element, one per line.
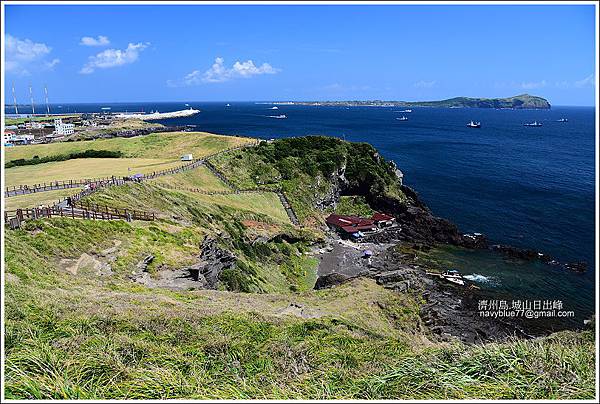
<point x="15" y="218"/>
<point x="65" y="184"/>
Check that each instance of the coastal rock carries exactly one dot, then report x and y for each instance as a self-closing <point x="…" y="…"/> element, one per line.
<point x="213" y="260"/>
<point x="329" y="280"/>
<point x="577" y="266"/>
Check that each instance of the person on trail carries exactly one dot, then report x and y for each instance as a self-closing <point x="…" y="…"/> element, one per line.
<point x="69" y="201"/>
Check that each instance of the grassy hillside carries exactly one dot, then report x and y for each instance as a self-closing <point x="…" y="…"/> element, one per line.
<point x="37" y="199"/>
<point x="309" y="168"/>
<point x="80" y="325"/>
<point x="198" y="178"/>
<point x="79" y="335"/>
<point x="85" y="168"/>
<point x="170" y="145"/>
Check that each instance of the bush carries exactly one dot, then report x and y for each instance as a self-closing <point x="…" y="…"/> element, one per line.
<point x="63" y="157"/>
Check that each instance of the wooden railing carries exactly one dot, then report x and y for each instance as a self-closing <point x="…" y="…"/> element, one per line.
<point x="77" y="183"/>
<point x="15" y="218"/>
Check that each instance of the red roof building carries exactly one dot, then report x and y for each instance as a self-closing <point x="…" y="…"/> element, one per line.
<point x="350" y="224"/>
<point x="382" y="217"/>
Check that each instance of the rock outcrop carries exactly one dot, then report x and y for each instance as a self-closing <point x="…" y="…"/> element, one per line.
<point x="213" y="261"/>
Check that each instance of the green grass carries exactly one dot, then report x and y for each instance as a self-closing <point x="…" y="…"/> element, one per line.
<point x="170" y="145"/>
<point x="354" y="205"/>
<point x="199" y="178"/>
<point x="84" y="168"/>
<point x="17" y="121"/>
<point x="74" y="333"/>
<point x="306" y="169"/>
<point x="85" y="336"/>
<point x="36" y="199"/>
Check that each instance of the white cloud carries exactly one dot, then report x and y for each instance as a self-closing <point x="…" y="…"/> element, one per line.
<point x="22" y="54"/>
<point x="340" y="87"/>
<point x="50" y="65"/>
<point x="219" y="73"/>
<point x="424" y="84"/>
<point x="589" y="81"/>
<point x="533" y="84"/>
<point x="101" y="40"/>
<point x="113" y="58"/>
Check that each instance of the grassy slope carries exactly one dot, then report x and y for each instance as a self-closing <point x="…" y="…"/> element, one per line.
<point x="198" y="178"/>
<point x="37" y="199"/>
<point x="84" y="336"/>
<point x="169" y="145"/>
<point x="85" y="168"/>
<point x="78" y="334"/>
<point x="304" y="168"/>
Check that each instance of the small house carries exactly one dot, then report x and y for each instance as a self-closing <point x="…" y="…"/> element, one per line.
<point x="350" y="226"/>
<point x="186" y="157"/>
<point x="383" y="220"/>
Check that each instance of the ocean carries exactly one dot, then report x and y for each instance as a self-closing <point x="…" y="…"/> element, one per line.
<point x="530" y="187"/>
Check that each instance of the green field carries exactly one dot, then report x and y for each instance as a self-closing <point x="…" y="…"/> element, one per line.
<point x="36" y="199"/>
<point x="198" y="178"/>
<point x="84" y="168"/>
<point x="170" y="145"/>
<point x="146" y="196"/>
<point x="17" y="121"/>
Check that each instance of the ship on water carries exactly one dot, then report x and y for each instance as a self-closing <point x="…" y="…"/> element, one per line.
<point x="474" y="124"/>
<point x="534" y="123"/>
<point x="563" y="120"/>
<point x="402" y="118"/>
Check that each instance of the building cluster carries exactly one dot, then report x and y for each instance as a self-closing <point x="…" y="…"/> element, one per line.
<point x="356" y="227"/>
<point x="45" y="132"/>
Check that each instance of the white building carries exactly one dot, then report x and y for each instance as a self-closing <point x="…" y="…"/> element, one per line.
<point x="34" y="125"/>
<point x="12" y="138"/>
<point x="63" y="129"/>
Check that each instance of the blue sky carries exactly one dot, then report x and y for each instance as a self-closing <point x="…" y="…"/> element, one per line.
<point x="234" y="53"/>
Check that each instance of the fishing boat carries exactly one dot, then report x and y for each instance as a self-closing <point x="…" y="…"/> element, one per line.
<point x="227" y="105"/>
<point x="283" y="116"/>
<point x="274" y="107"/>
<point x="406" y="111"/>
<point x="563" y="120"/>
<point x="534" y="123"/>
<point x="453" y="276"/>
<point x="402" y="118"/>
<point x="474" y="124"/>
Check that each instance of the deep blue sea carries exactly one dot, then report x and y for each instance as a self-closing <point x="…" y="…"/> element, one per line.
<point x="531" y="187"/>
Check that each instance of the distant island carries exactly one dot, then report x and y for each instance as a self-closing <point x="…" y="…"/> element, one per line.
<point x="523" y="101"/>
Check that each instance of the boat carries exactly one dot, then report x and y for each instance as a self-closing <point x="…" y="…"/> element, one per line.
<point x="402" y="118"/>
<point x="406" y="111"/>
<point x="453" y="276"/>
<point x="474" y="124"/>
<point x="273" y="108"/>
<point x="563" y="120"/>
<point x="187" y="105"/>
<point x="534" y="123"/>
<point x="227" y="105"/>
<point x="103" y="108"/>
<point x="278" y="116"/>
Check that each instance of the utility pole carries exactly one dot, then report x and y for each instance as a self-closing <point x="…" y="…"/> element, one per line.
<point x="47" y="106"/>
<point x="15" y="99"/>
<point x="32" y="106"/>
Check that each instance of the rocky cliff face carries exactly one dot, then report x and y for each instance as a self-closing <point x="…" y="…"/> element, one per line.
<point x="418" y="224"/>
